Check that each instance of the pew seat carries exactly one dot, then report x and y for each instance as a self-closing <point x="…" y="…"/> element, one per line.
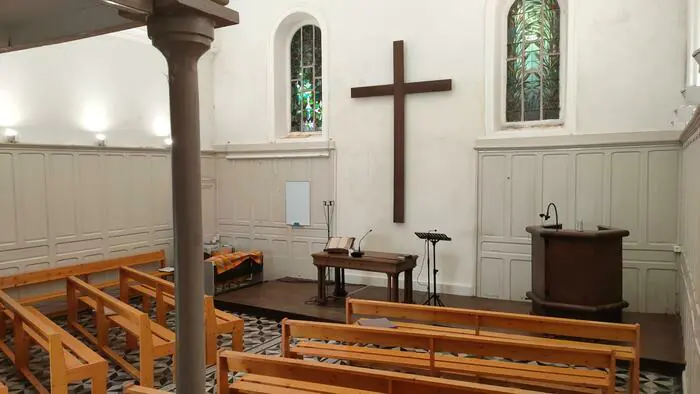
<point x="154" y="340"/>
<point x="162" y="293"/>
<point x="69" y="359"/>
<point x="270" y="374"/>
<point x="622" y="339"/>
<point x="435" y="353"/>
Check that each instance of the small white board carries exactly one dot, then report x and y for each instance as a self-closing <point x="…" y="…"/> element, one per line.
<point x="298" y="203"/>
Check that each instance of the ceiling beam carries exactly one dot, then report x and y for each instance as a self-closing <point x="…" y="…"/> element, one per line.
<point x="68" y="26"/>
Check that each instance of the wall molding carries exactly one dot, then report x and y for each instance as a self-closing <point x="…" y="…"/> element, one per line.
<point x="286" y="150"/>
<point x="636" y="139"/>
<point x="692" y="130"/>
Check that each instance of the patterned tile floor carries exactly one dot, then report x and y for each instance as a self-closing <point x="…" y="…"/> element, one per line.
<point x="262" y="336"/>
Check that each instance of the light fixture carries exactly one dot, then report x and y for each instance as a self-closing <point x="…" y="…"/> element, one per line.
<point x="101" y="139"/>
<point x="696" y="55"/>
<point x="11" y="136"/>
<point x="9" y="114"/>
<point x="95" y="118"/>
<point x="168" y="142"/>
<point x="161" y="126"/>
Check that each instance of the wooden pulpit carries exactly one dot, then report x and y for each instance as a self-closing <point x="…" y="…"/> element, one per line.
<point x="577" y="274"/>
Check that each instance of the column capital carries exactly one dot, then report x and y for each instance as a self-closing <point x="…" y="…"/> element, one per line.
<point x="186" y="34"/>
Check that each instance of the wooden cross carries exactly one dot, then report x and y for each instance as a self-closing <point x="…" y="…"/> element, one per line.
<point x="399" y="89"/>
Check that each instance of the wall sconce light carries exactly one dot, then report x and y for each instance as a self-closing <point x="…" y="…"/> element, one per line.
<point x="101" y="139"/>
<point x="168" y="142"/>
<point x="11" y="136"/>
<point x="696" y="55"/>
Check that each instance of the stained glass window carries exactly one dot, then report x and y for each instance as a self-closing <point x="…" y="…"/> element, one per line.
<point x="532" y="82"/>
<point x="306" y="87"/>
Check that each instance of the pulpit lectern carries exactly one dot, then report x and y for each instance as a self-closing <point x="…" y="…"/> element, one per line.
<point x="577" y="274"/>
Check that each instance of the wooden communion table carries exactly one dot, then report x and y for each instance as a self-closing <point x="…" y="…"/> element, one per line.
<point x="392" y="264"/>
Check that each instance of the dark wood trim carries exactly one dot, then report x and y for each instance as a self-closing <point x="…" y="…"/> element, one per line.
<point x="399" y="89"/>
<point x="692" y="127"/>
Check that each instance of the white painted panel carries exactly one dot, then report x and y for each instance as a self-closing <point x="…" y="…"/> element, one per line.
<point x="8" y="229"/>
<point x="493" y="189"/>
<point x="31" y="183"/>
<point x="520" y="279"/>
<point x="491" y="277"/>
<point x="226" y="190"/>
<point x="118" y="190"/>
<point x="91" y="202"/>
<point x="209" y="211"/>
<point x="524" y="207"/>
<point x="139" y="180"/>
<point x="661" y="291"/>
<point x="589" y="188"/>
<point x="244" y="193"/>
<point x="321" y="189"/>
<point x="62" y="195"/>
<point x="663" y="197"/>
<point x="625" y="193"/>
<point x="161" y="201"/>
<point x="556" y="175"/>
<point x="208" y="167"/>
<point x="631" y="287"/>
<point x="260" y="192"/>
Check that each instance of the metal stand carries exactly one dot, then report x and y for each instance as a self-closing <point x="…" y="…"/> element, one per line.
<point x="433" y="238"/>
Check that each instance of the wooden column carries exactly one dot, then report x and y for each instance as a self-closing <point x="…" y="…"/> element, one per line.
<point x="183" y="38"/>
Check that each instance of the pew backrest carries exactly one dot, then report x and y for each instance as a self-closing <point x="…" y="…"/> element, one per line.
<point x="478" y="319"/>
<point x="128" y="273"/>
<point x="94" y="267"/>
<point x="344" y="376"/>
<point x="106" y="300"/>
<point x="445" y="342"/>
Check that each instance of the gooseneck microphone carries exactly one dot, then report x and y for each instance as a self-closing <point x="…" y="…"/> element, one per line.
<point x="359" y="252"/>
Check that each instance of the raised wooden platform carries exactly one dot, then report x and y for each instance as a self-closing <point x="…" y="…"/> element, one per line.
<point x="662" y="344"/>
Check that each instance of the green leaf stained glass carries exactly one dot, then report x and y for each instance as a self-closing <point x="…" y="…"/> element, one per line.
<point x="532" y="69"/>
<point x="306" y="66"/>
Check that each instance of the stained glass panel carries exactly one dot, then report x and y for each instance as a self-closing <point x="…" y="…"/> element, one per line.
<point x="318" y="59"/>
<point x="306" y="105"/>
<point x="532" y="72"/>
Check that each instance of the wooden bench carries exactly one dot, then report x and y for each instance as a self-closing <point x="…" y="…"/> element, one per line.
<point x="565" y="378"/>
<point x="268" y="374"/>
<point x="154" y="340"/>
<point x="3" y="389"/>
<point x="69" y="359"/>
<point x="162" y="292"/>
<point x="623" y="339"/>
<point x="133" y="389"/>
<point x="83" y="271"/>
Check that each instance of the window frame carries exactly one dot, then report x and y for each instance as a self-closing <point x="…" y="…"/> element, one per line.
<point x="505" y="124"/>
<point x="495" y="85"/>
<point x="288" y="69"/>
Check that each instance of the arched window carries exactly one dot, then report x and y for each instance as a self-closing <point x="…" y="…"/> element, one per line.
<point x="306" y="89"/>
<point x="533" y="61"/>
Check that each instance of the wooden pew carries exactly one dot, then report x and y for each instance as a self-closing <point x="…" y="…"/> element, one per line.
<point x="563" y="378"/>
<point x="3" y="389"/>
<point x="623" y="339"/>
<point x="82" y="271"/>
<point x="163" y="293"/>
<point x="154" y="340"/>
<point x="133" y="389"/>
<point x="267" y="374"/>
<point x="69" y="359"/>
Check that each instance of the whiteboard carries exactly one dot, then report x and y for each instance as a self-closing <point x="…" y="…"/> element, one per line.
<point x="298" y="203"/>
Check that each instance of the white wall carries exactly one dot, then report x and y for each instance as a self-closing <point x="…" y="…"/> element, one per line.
<point x="690" y="263"/>
<point x="61" y="206"/>
<point x="626" y="184"/>
<point x="118" y="81"/>
<point x="619" y="88"/>
<point x="693" y="28"/>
